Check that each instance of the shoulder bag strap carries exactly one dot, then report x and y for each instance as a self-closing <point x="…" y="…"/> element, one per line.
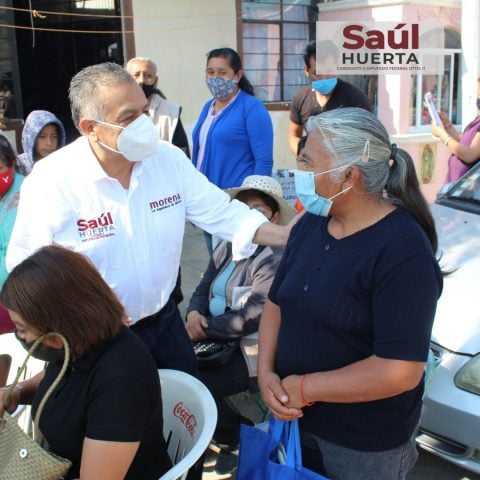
<point x="48" y="393"/>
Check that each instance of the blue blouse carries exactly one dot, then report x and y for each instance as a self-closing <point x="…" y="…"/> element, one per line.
<point x="239" y="142"/>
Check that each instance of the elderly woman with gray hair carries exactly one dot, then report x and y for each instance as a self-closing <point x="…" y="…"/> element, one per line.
<point x="355" y="293"/>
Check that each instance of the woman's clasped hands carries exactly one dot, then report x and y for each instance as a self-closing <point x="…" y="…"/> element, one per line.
<point x="283" y="397"/>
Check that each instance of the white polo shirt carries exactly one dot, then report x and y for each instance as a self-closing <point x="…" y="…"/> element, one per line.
<point x="134" y="237"/>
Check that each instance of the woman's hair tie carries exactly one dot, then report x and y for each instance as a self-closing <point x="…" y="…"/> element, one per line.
<point x="393" y="155"/>
<point x="393" y="152"/>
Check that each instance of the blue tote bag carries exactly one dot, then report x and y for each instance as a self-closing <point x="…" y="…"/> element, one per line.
<point x="272" y="455"/>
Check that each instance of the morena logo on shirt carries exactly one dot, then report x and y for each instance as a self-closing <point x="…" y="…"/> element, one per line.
<point x="96" y="228"/>
<point x="181" y="411"/>
<point x="166" y="202"/>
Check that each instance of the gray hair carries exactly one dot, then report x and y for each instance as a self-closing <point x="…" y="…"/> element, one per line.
<point x="84" y="86"/>
<point x="355" y="137"/>
<point x="141" y="59"/>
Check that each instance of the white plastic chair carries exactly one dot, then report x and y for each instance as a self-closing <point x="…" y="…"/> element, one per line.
<point x="189" y="420"/>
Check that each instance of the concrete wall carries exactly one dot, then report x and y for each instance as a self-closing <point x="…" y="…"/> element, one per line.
<point x="176" y="35"/>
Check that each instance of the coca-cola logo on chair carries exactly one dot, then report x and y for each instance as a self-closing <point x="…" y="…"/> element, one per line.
<point x="188" y="419"/>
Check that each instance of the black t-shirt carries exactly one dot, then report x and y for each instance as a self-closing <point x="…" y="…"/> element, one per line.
<point x="305" y="105"/>
<point x="371" y="293"/>
<point x="113" y="394"/>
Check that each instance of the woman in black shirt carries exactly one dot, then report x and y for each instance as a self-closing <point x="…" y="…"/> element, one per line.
<point x="106" y="413"/>
<point x="346" y="328"/>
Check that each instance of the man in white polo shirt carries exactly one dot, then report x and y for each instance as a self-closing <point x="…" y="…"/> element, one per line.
<point x="121" y="197"/>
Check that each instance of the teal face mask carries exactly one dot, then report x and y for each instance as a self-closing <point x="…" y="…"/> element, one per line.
<point x="325" y="85"/>
<point x="305" y="190"/>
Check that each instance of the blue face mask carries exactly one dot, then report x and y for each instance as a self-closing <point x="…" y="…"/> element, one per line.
<point x="305" y="190"/>
<point x="325" y="85"/>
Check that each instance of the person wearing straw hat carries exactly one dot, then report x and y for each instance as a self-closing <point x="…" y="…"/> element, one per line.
<point x="227" y="305"/>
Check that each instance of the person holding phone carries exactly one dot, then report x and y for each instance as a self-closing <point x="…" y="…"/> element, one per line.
<point x="464" y="148"/>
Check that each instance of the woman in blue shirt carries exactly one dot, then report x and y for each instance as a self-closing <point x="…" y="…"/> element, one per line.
<point x="233" y="137"/>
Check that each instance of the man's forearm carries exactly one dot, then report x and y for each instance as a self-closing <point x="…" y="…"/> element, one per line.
<point x="271" y="235"/>
<point x="275" y="235"/>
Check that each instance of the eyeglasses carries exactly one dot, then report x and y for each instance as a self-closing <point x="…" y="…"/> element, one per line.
<point x="263" y="210"/>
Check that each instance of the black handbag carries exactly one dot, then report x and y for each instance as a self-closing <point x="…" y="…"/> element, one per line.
<point x="211" y="353"/>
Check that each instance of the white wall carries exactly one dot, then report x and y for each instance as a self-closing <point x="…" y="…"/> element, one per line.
<point x="176" y="35"/>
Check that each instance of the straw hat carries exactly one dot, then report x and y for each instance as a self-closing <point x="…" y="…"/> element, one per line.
<point x="272" y="188"/>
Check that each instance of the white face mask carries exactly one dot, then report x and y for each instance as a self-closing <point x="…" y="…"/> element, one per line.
<point x="136" y="141"/>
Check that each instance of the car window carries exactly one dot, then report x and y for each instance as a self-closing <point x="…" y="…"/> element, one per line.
<point x="467" y="188"/>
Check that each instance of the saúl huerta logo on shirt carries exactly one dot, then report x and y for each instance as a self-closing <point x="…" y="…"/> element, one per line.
<point x="96" y="228"/>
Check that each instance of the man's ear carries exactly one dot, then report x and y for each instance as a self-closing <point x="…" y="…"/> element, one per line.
<point x="156" y="82"/>
<point x="306" y="71"/>
<point x="88" y="128"/>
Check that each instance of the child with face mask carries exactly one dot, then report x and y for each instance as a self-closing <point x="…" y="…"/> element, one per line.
<point x="42" y="134"/>
<point x="10" y="182"/>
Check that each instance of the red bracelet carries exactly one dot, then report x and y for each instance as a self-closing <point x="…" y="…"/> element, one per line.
<point x="302" y="398"/>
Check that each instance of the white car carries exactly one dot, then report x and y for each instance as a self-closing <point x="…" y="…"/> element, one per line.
<point x="450" y="422"/>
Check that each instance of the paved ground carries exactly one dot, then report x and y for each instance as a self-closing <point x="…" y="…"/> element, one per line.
<point x="194" y="262"/>
<point x="428" y="467"/>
